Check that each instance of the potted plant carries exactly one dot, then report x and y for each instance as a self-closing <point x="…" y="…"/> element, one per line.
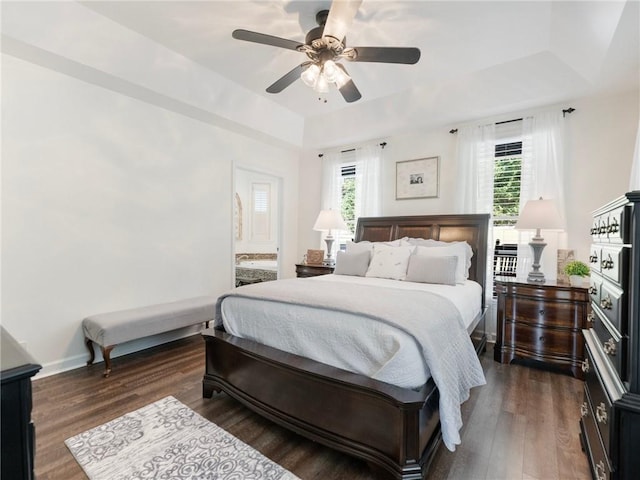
<point x="576" y="270"/>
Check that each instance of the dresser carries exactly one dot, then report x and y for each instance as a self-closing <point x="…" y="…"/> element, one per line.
<point x="18" y="433"/>
<point x="610" y="412"/>
<point x="305" y="270"/>
<point x="541" y="322"/>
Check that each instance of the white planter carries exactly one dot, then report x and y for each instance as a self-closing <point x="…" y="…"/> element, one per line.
<point x="576" y="280"/>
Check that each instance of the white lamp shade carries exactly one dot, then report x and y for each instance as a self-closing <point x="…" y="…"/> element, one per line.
<point x="330" y="220"/>
<point x="539" y="214"/>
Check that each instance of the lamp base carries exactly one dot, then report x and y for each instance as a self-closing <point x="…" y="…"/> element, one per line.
<point x="329" y="261"/>
<point x="537" y="244"/>
<point x="536" y="277"/>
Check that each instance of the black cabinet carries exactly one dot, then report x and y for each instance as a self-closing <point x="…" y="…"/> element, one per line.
<point x="610" y="423"/>
<point x="18" y="432"/>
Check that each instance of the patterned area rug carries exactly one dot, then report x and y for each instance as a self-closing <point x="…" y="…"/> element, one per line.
<point x="168" y="440"/>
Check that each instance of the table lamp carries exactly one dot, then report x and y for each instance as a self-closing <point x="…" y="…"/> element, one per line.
<point x="329" y="220"/>
<point x="537" y="215"/>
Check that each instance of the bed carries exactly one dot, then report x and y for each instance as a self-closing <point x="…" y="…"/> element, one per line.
<point x="395" y="428"/>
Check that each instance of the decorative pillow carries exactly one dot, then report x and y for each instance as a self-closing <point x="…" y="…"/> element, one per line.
<point x="389" y="262"/>
<point x="352" y="263"/>
<point x="462" y="273"/>
<point x="428" y="269"/>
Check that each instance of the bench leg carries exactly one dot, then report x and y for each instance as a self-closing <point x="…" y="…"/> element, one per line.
<point x="92" y="355"/>
<point x="106" y="354"/>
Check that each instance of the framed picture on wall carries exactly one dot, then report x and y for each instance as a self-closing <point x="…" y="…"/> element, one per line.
<point x="417" y="178"/>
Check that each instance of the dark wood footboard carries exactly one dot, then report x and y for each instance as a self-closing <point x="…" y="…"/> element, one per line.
<point x="395" y="428"/>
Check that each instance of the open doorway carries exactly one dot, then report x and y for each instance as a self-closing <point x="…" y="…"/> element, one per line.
<point x="256" y="226"/>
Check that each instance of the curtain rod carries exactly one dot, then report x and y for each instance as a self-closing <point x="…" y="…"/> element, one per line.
<point x="564" y="114"/>
<point x="383" y="144"/>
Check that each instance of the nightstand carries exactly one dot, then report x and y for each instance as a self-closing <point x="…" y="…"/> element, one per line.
<point x="541" y="322"/>
<point x="304" y="270"/>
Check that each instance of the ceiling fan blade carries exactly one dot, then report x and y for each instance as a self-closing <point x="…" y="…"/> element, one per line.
<point x="349" y="90"/>
<point x="266" y="39"/>
<point x="340" y="17"/>
<point x="408" y="55"/>
<point x="287" y="79"/>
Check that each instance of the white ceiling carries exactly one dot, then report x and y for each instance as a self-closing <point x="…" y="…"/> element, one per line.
<point x="525" y="53"/>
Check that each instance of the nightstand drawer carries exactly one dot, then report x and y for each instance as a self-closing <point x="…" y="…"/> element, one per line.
<point x="545" y="312"/>
<point x="305" y="270"/>
<point x="548" y="341"/>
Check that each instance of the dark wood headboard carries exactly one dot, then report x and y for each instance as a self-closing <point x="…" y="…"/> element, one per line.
<point x="448" y="228"/>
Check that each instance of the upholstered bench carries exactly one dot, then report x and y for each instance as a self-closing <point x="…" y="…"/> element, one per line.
<point x="110" y="329"/>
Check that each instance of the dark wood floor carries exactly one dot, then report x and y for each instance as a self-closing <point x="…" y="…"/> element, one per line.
<point x="522" y="425"/>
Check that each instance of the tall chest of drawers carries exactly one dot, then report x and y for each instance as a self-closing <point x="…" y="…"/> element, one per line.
<point x="610" y="413"/>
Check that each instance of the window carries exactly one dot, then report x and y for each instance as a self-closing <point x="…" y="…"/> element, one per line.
<point x="351" y="185"/>
<point x="507" y="182"/>
<point x="261" y="212"/>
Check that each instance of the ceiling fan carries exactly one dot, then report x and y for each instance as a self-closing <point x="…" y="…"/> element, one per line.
<point x="325" y="46"/>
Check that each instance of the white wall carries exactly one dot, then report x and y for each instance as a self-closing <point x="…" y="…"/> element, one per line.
<point x="600" y="141"/>
<point x="109" y="202"/>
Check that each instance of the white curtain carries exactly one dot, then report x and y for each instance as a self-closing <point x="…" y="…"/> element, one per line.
<point x="476" y="146"/>
<point x="368" y="192"/>
<point x="543" y="172"/>
<point x="475" y="159"/>
<point x="543" y="158"/>
<point x="331" y="174"/>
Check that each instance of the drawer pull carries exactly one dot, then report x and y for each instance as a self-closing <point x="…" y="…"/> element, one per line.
<point x="593" y="258"/>
<point x="585" y="365"/>
<point x="541" y="312"/>
<point x="600" y="471"/>
<point x="591" y="317"/>
<point x="601" y="413"/>
<point x="610" y="347"/>
<point x="613" y="228"/>
<point x="608" y="263"/>
<point x="602" y="229"/>
<point x="606" y="303"/>
<point x="593" y="290"/>
<point x="584" y="409"/>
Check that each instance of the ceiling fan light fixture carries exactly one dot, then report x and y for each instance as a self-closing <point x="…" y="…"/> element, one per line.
<point x="310" y="75"/>
<point x="321" y="86"/>
<point x="341" y="78"/>
<point x="330" y="71"/>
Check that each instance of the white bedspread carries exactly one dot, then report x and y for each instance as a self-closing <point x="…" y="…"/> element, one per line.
<point x="433" y="321"/>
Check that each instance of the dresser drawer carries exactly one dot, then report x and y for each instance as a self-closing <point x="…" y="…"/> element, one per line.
<point x="545" y="312"/>
<point x="599" y="461"/>
<point x="613" y="344"/>
<point x="595" y="287"/>
<point x="600" y="404"/>
<point x="617" y="227"/>
<point x="613" y="304"/>
<point x="548" y="342"/>
<point x="614" y="263"/>
<point x="594" y="257"/>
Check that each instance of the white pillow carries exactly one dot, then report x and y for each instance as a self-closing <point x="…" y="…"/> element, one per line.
<point x="355" y="264"/>
<point x="366" y="245"/>
<point x="429" y="269"/>
<point x="389" y="262"/>
<point x="429" y="242"/>
<point x="457" y="250"/>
